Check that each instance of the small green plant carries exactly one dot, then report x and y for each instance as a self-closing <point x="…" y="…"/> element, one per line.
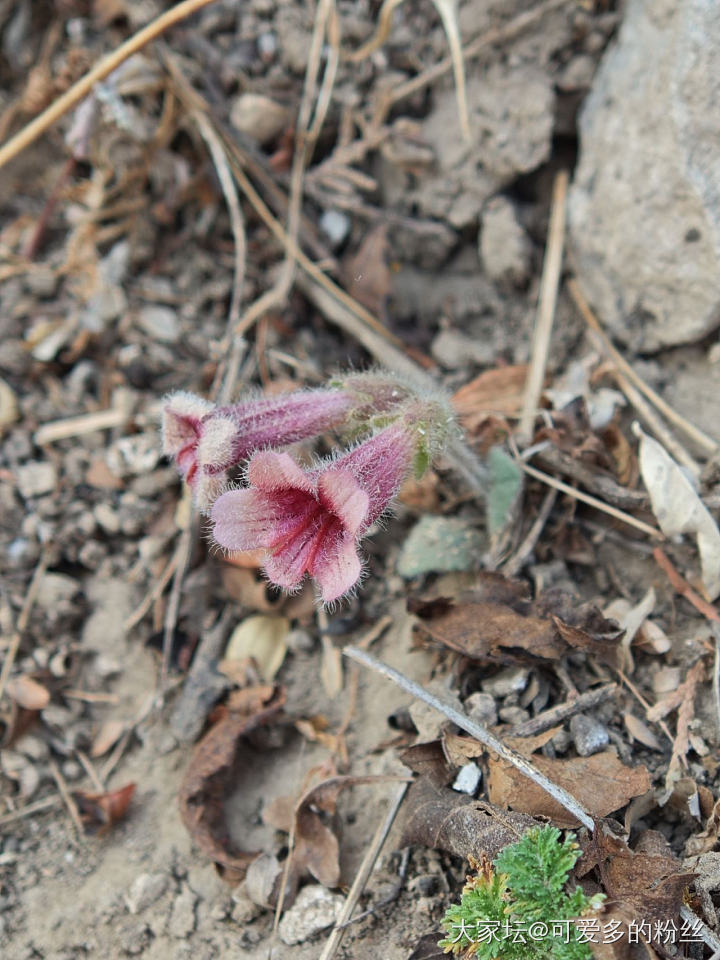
<point x="520" y="910"/>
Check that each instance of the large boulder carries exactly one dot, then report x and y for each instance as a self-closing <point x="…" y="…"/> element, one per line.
<point x="644" y="209"/>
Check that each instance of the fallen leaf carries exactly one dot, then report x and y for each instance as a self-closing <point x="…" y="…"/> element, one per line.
<point x="209" y="773"/>
<point x="106" y="737"/>
<point x="28" y="693"/>
<point x="640" y="731"/>
<point x="510" y="628"/>
<point x="105" y="809"/>
<point x="679" y="509"/>
<point x="494" y="393"/>
<point x="440" y="818"/>
<point x="601" y="783"/>
<point x="631" y="619"/>
<point x="367" y="274"/>
<point x="505" y="479"/>
<point x="264" y="639"/>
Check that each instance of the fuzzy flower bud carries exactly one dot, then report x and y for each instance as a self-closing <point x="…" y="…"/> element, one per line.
<point x="311" y="521"/>
<point x="206" y="441"/>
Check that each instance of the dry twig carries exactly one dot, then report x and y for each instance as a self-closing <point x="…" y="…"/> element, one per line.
<point x="548" y="718"/>
<point x="99" y="72"/>
<point x="478" y="732"/>
<point x="547" y="301"/>
<point x="681" y="586"/>
<point x="628" y="377"/>
<point x="23" y="619"/>
<point x="361" y="877"/>
<point x="592" y="501"/>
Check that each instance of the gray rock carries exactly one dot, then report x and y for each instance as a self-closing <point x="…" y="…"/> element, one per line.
<point x="468" y="779"/>
<point x="507" y="681"/>
<point x="336" y="226"/>
<point x="182" y="917"/>
<point x="481" y="708"/>
<point x="259" y="117"/>
<point x="145" y="890"/>
<point x="315" y="909"/>
<point x="261" y="878"/>
<point x="440" y="544"/>
<point x="505" y="248"/>
<point x="644" y="210"/>
<point x="160" y="323"/>
<point x="589" y="736"/>
<point x="36" y="478"/>
<point x="243" y="910"/>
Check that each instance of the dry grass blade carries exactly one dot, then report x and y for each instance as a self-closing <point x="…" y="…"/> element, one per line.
<point x="23" y="619"/>
<point x="493" y="38"/>
<point x="593" y="501"/>
<point x="628" y="376"/>
<point x="99" y="72"/>
<point x="547" y="301"/>
<point x="447" y="9"/>
<point x="558" y="794"/>
<point x="361" y="877"/>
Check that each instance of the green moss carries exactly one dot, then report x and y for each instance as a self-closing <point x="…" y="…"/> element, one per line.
<point x="517" y="908"/>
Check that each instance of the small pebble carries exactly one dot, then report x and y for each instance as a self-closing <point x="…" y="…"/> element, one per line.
<point x="468" y="779"/>
<point x="145" y="890"/>
<point x="315" y="909"/>
<point x="513" y="715"/>
<point x="36" y="478"/>
<point x="259" y="117"/>
<point x="336" y="226"/>
<point x="481" y="708"/>
<point x="507" y="681"/>
<point x="588" y="735"/>
<point x="182" y="917"/>
<point x="160" y="323"/>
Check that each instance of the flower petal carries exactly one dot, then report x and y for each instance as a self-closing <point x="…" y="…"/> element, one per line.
<point x="271" y="471"/>
<point x="243" y="519"/>
<point x="182" y="413"/>
<point x="337" y="568"/>
<point x="341" y="494"/>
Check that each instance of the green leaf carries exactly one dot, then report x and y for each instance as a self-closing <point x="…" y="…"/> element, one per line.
<point x="506" y="482"/>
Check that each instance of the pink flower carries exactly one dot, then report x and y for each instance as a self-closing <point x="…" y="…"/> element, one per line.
<point x="205" y="441"/>
<point x="310" y="521"/>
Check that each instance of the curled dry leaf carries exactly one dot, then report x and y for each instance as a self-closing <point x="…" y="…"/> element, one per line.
<point x="601" y="783"/>
<point x="203" y="790"/>
<point x="438" y="817"/>
<point x="495" y="621"/>
<point x="679" y="509"/>
<point x="104" y="809"/>
<point x="28" y="693"/>
<point x="263" y="638"/>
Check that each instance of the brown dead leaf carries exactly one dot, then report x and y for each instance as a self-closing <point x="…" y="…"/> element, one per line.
<point x="443" y="819"/>
<point x="601" y="783"/>
<point x="494" y="393"/>
<point x="317" y="849"/>
<point x="430" y="760"/>
<point x="28" y="693"/>
<point x="495" y="621"/>
<point x="640" y="731"/>
<point x="705" y="841"/>
<point x="204" y="786"/>
<point x="105" y="809"/>
<point x="246" y="588"/>
<point x="649" y="880"/>
<point x="367" y="274"/>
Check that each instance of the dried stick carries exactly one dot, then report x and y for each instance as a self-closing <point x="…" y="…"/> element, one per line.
<point x="716" y="673"/>
<point x="703" y="441"/>
<point x="79" y="426"/>
<point x="477" y="731"/>
<point x="23" y="619"/>
<point x="361" y="877"/>
<point x="487" y="41"/>
<point x="514" y="564"/>
<point x="592" y="501"/>
<point x="548" y="718"/>
<point x="547" y="301"/>
<point x="67" y="798"/>
<point x="99" y="72"/>
<point x="681" y="586"/>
